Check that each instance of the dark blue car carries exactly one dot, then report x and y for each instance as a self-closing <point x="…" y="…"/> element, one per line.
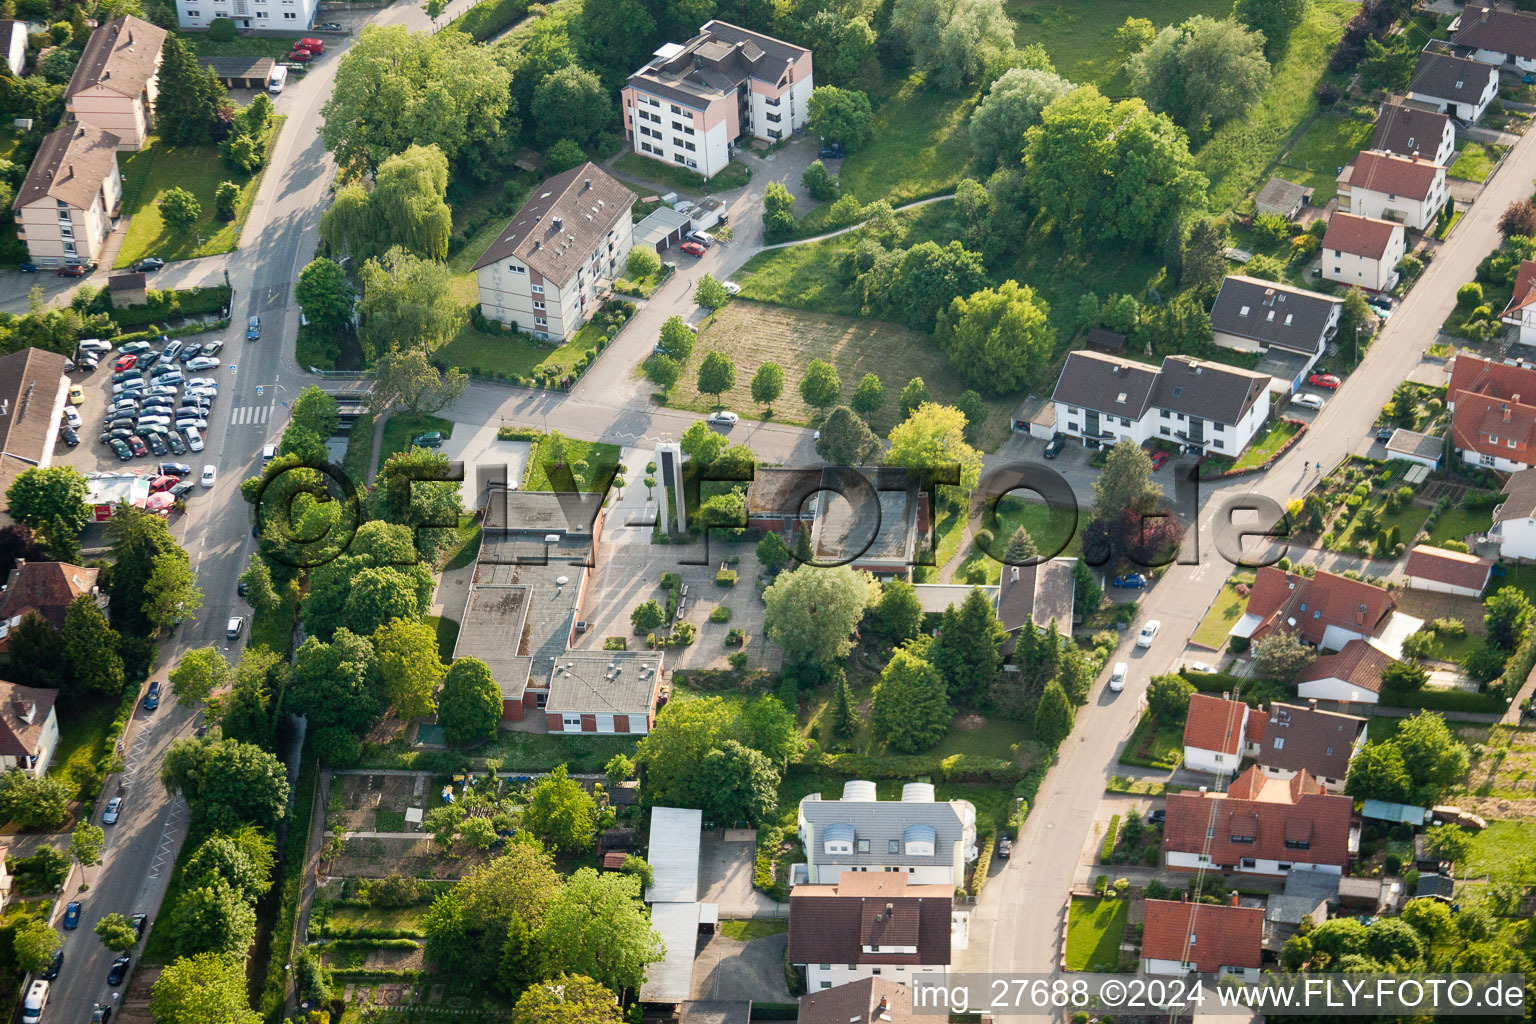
<point x="152" y="698"/>
<point x="72" y="916"/>
<point x="1131" y="581"/>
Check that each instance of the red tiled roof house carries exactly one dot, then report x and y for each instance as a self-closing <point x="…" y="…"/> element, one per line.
<point x="1259" y="826"/>
<point x="1447" y="572"/>
<point x="1218" y="733"/>
<point x="29" y="728"/>
<point x="1362" y="251"/>
<point x="1396" y="188"/>
<point x="1493" y="413"/>
<point x="869" y="924"/>
<point x="46" y="588"/>
<point x="1181" y="938"/>
<point x="1326" y="610"/>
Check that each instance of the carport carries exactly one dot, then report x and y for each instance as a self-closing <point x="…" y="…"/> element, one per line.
<point x="676" y="833"/>
<point x="662" y="229"/>
<point x="240" y="72"/>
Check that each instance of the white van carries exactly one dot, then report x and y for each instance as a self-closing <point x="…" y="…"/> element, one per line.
<point x="32" y="1006"/>
<point x="278" y="79"/>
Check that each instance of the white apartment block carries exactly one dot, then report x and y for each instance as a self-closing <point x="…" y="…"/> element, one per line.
<point x="929" y="842"/>
<point x="1388" y="187"/>
<point x="66" y="206"/>
<point x="268" y="14"/>
<point x="547" y="269"/>
<point x="696" y="101"/>
<point x="113" y="88"/>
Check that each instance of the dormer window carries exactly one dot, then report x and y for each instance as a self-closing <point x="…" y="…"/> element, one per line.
<point x="838" y="841"/>
<point x="920" y="840"/>
<point x="1243" y="311"/>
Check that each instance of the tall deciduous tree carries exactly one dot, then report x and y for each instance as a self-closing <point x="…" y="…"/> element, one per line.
<point x="897" y="614"/>
<point x="407" y="207"/>
<point x="812" y="612"/>
<point x="91" y="646"/>
<point x="39" y="496"/>
<point x="1378" y="773"/>
<point x="931" y="438"/>
<point x="571" y="103"/>
<point x="469" y="706"/>
<point x="34" y="944"/>
<point x="684" y="732"/>
<point x="117" y="933"/>
<point x="1435" y="758"/>
<point x="567" y="999"/>
<point x="998" y="339"/>
<point x="841" y="115"/>
<point x="952" y="40"/>
<point x="395" y="88"/>
<point x="407" y="301"/>
<point x="1202" y="72"/>
<point x="37" y="653"/>
<point x="869" y="395"/>
<point x="136" y="538"/>
<point x="180" y="209"/>
<point x="911" y="709"/>
<point x="198" y="674"/>
<point x="1125" y="482"/>
<point x="717" y="374"/>
<point x="821" y="386"/>
<point x="768" y="384"/>
<point x="204" y="989"/>
<point x="1011" y="106"/>
<point x="85" y="844"/>
<point x="505" y="894"/>
<point x="846" y="440"/>
<point x="172" y="593"/>
<point x="409" y="666"/>
<point x="188" y="99"/>
<point x="228" y="783"/>
<point x="1508" y="614"/>
<point x="331" y="682"/>
<point x="597" y="926"/>
<point x="1281" y="655"/>
<point x="213" y="918"/>
<point x="561" y="813"/>
<point x="743" y="784"/>
<point x="257" y="577"/>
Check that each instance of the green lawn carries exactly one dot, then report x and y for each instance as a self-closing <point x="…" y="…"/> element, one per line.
<point x="1475" y="161"/>
<point x="1154" y="745"/>
<point x="204" y="45"/>
<point x="405" y="921"/>
<point x="1053" y="529"/>
<point x="480" y="353"/>
<point x="466" y="547"/>
<point x="535" y="751"/>
<point x="1500" y="846"/>
<point x="389" y="821"/>
<point x="1408" y="520"/>
<point x="1081" y="37"/>
<point x="1237" y="155"/>
<point x="746" y="931"/>
<point x="1095" y="927"/>
<point x="159" y="167"/>
<point x="1225" y="611"/>
<point x="1266" y="445"/>
<point x="1330" y="142"/>
<point x="919" y="147"/>
<point x="1522" y="577"/>
<point x="82" y="741"/>
<point x="734" y="175"/>
<point x="600" y="458"/>
<point x="401" y="427"/>
<point x="1455" y="523"/>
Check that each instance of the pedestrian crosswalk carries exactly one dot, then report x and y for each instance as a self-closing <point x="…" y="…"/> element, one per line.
<point x="249" y="414"/>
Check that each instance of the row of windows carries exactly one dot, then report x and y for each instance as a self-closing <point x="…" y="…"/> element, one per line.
<point x="678" y="126"/>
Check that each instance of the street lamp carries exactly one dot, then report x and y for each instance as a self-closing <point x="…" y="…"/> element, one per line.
<point x="1357" y="344"/>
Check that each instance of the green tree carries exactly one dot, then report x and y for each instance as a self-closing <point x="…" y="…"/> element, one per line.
<point x="768" y="384"/>
<point x="1434" y="757"/>
<point x="188" y="99"/>
<point x="172" y="593"/>
<point x="683" y="733"/>
<point x="226" y="200"/>
<point x="37" y="652"/>
<point x="597" y="926"/>
<point x="1447" y="842"/>
<point x="897" y="614"/>
<point x="1168" y="697"/>
<point x="407" y="301"/>
<point x="1125" y="483"/>
<point x="620" y="768"/>
<point x="409" y="666"/>
<point x="1430" y="918"/>
<point x="509" y="893"/>
<point x="1201" y="263"/>
<point x="846" y="440"/>
<point x="571" y="103"/>
<point x="1276" y="19"/>
<point x="33" y="801"/>
<point x="646" y="616"/>
<point x="205" y="989"/>
<point x="1507" y="615"/>
<point x="717" y="374"/>
<point x="567" y="999"/>
<point x="676" y="340"/>
<point x="925" y="279"/>
<point x="380" y="594"/>
<point x="953" y="43"/>
<point x="408" y="496"/>
<point x="561" y="813"/>
<point x="243" y="859"/>
<point x="931" y="438"/>
<point x="911" y="709"/>
<point x="1281" y="655"/>
<point x="843" y="45"/>
<point x="227" y="783"/>
<point x="819" y="182"/>
<point x="821" y="386"/>
<point x="869" y="396"/>
<point x="1133" y="36"/>
<point x="742" y="783"/>
<point x="812" y="612"/>
<point x="331" y="682"/>
<point x="39" y="496"/>
<point x="180" y="209"/>
<point x="1021" y="547"/>
<point x="85" y="844"/>
<point x="1378" y="773"/>
<point x="395" y="88"/>
<point x="998" y="339"/>
<point x="1404" y="676"/>
<point x="772" y="553"/>
<point x="1053" y="717"/>
<point x="642" y="262"/>
<point x="91" y="648"/>
<point x="213" y="918"/>
<point x="968" y="649"/>
<point x="1013" y="103"/>
<point x="1202" y="72"/>
<point x="912" y="396"/>
<point x="34" y="944"/>
<point x="324" y="294"/>
<point x="778" y="211"/>
<point x="257" y="577"/>
<point x="841" y="115"/>
<point x="709" y="293"/>
<point x="767" y="725"/>
<point x="469" y="706"/>
<point x="845" y="716"/>
<point x="117" y="933"/>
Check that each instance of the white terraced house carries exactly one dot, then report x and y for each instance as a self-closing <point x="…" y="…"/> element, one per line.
<point x="548" y="267"/>
<point x="930" y="842"/>
<point x="697" y="101"/>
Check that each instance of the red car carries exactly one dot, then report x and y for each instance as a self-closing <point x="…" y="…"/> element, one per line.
<point x="73" y="270"/>
<point x="692" y="248"/>
<point x="1159" y="460"/>
<point x="126" y="363"/>
<point x="314" y="46"/>
<point x="302" y="56"/>
<point x="1324" y="380"/>
<point x="163" y="483"/>
<point x="137" y="446"/>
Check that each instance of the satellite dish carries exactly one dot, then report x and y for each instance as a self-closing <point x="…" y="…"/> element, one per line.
<point x="561" y="581"/>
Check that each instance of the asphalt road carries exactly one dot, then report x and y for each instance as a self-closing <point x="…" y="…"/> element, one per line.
<point x="1027" y="921"/>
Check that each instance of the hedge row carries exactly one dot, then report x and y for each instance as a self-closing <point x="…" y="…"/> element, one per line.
<point x="1446" y="700"/>
<point x="163" y="305"/>
<point x="954" y="768"/>
<point x="1520" y="664"/>
<point x="488" y="18"/>
<point x="1111" y="834"/>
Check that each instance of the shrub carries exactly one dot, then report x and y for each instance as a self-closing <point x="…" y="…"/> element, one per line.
<point x="726" y="578"/>
<point x="222" y="30"/>
<point x="615" y="643"/>
<point x="720" y="613"/>
<point x="1111" y="834"/>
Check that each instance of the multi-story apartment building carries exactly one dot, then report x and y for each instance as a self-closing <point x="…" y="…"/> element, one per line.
<point x="113" y="87"/>
<point x="66" y="205"/>
<point x="696" y="101"/>
<point x="290" y="15"/>
<point x="930" y="842"/>
<point x="543" y="273"/>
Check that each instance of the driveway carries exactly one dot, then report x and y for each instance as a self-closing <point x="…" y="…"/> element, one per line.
<point x="727" y="969"/>
<point x="726" y="876"/>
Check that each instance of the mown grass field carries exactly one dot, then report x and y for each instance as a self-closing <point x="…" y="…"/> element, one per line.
<point x="159" y="167"/>
<point x="1475" y="162"/>
<point x="1330" y="142"/>
<point x="1223" y="615"/>
<point x="752" y="334"/>
<point x="1081" y="37"/>
<point x="1094" y="930"/>
<point x="919" y="147"/>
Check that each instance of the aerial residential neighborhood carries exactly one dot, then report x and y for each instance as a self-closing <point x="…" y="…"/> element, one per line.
<point x="617" y="512"/>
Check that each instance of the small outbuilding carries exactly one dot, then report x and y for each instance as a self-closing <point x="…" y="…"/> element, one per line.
<point x="1283" y="198"/>
<point x="240" y="72"/>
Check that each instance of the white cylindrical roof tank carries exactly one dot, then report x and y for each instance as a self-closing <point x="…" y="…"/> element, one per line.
<point x="917" y="793"/>
<point x="859" y="789"/>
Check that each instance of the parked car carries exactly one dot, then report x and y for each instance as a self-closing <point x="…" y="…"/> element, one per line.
<point x="102" y="1014"/>
<point x="184" y="488"/>
<point x="313" y="45"/>
<point x="134" y="348"/>
<point x="1159" y="460"/>
<point x="202" y="363"/>
<point x="1157" y="817"/>
<point x="113" y="812"/>
<point x="831" y="151"/>
<point x="1307" y="401"/>
<point x="54" y="966"/>
<point x="431" y="439"/>
<point x="120" y="448"/>
<point x="1005" y="848"/>
<point x="1199" y="667"/>
<point x="692" y="248"/>
<point x="1054" y="446"/>
<point x="1148" y="633"/>
<point x="210" y="474"/>
<point x="120" y="376"/>
<point x="234" y="627"/>
<point x="149" y="263"/>
<point x="213" y="348"/>
<point x="76" y="395"/>
<point x="139" y="922"/>
<point x="119" y="970"/>
<point x="723" y="417"/>
<point x="198" y="422"/>
<point x="74" y="270"/>
<point x="156" y="442"/>
<point x="175" y="444"/>
<point x="253" y="328"/>
<point x="71" y="416"/>
<point x="70" y="436"/>
<point x="176" y="469"/>
<point x="1380" y="302"/>
<point x="1130" y="581"/>
<point x="152" y="698"/>
<point x="329" y="26"/>
<point x="72" y="916"/>
<point x="732" y="287"/>
<point x="1324" y="380"/>
<point x="301" y="56"/>
<point x="27" y="268"/>
<point x="1118" y="675"/>
<point x="194" y="439"/>
<point x="138" y="447"/>
<point x="1384" y="434"/>
<point x="163" y="483"/>
<point x="192" y="349"/>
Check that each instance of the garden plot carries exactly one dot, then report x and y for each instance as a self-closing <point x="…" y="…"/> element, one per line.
<point x="378" y="803"/>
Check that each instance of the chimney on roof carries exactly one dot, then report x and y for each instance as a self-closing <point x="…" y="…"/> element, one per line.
<point x="1505" y="409"/>
<point x="1515" y="399"/>
<point x="557" y="222"/>
<point x="19" y="563"/>
<point x="1184" y="897"/>
<point x="1234" y="899"/>
<point x="70" y="172"/>
<point x="25" y="710"/>
<point x="586" y="183"/>
<point x="890" y="908"/>
<point x="884" y="1005"/>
